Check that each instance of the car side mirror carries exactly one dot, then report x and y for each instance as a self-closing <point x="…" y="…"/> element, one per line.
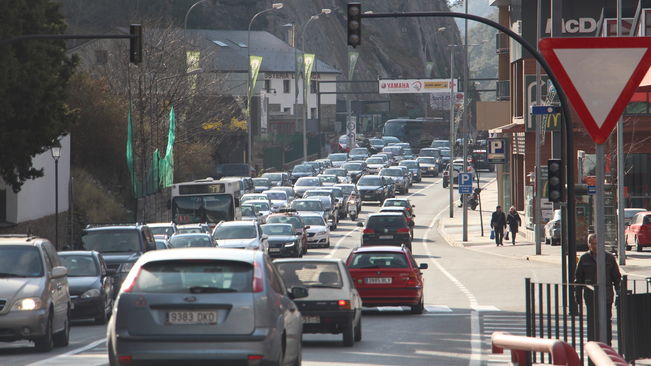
<point x="59" y="271"/>
<point x="423" y="266"/>
<point x="413" y="206"/>
<point x="360" y="224"/>
<point x="298" y="293"/>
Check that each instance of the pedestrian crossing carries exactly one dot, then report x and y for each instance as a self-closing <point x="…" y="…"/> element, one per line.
<point x="500" y="321"/>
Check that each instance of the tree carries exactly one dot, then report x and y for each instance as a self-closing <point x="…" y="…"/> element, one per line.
<point x="33" y="82"/>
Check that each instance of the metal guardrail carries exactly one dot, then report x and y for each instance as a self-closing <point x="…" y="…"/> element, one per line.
<point x="560" y="352"/>
<point x="603" y="355"/>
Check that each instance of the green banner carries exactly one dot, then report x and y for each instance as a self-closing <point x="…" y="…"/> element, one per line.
<point x="166" y="164"/>
<point x="308" y="59"/>
<point x="352" y="62"/>
<point x="130" y="161"/>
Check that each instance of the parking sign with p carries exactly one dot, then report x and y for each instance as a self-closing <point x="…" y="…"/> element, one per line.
<point x="465" y="183"/>
<point x="496" y="153"/>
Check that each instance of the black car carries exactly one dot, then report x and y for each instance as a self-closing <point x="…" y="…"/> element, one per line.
<point x="373" y="188"/>
<point x="302" y="170"/>
<point x="386" y="229"/>
<point x="91" y="287"/>
<point x="120" y="245"/>
<point x="283" y="241"/>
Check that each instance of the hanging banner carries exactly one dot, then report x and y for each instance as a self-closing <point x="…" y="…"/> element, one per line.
<point x="135" y="184"/>
<point x="166" y="164"/>
<point x="308" y="59"/>
<point x="407" y="86"/>
<point x="255" y="62"/>
<point x="352" y="62"/>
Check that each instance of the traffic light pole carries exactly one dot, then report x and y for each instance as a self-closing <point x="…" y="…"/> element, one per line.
<point x="600" y="312"/>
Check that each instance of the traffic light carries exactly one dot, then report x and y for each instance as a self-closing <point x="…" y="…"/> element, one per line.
<point x="555" y="180"/>
<point x="354" y="24"/>
<point x="135" y="43"/>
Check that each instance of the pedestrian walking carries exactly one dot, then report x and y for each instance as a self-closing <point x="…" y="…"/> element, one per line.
<point x="514" y="221"/>
<point x="498" y="224"/>
<point x="586" y="274"/>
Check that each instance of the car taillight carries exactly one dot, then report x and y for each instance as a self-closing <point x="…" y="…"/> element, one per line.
<point x="368" y="231"/>
<point x="126" y="360"/>
<point x="412" y="280"/>
<point x="344" y="304"/>
<point x="258" y="285"/>
<point x="403" y="230"/>
<point x="130" y="281"/>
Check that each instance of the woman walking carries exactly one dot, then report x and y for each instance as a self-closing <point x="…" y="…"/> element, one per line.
<point x="513" y="221"/>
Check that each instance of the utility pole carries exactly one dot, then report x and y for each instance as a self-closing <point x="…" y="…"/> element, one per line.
<point x="537" y="213"/>
<point x="464" y="122"/>
<point x="452" y="100"/>
<point x="620" y="166"/>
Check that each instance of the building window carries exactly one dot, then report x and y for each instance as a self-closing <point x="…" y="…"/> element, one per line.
<point x="101" y="57"/>
<point x="313" y="113"/>
<point x="286" y="86"/>
<point x="267" y="86"/>
<point x="314" y="87"/>
<point x="287" y="110"/>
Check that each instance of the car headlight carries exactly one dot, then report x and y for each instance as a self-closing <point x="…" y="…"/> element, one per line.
<point x="431" y="168"/>
<point x="27" y="304"/>
<point x="290" y="244"/>
<point x="126" y="267"/>
<point x="321" y="233"/>
<point x="90" y="293"/>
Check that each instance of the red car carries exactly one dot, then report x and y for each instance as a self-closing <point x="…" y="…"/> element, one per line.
<point x="638" y="233"/>
<point x="387" y="276"/>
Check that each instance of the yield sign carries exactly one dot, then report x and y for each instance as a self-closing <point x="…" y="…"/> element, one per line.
<point x="599" y="76"/>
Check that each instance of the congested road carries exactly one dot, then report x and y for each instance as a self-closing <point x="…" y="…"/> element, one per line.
<point x="468" y="295"/>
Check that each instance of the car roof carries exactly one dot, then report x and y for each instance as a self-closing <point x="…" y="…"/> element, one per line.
<point x="384" y="214"/>
<point x="19" y="239"/>
<point x="277" y="223"/>
<point x="309" y="199"/>
<point x="160" y="224"/>
<point x="241" y="255"/>
<point x="252" y="194"/>
<point x="88" y="253"/>
<point x="257" y="201"/>
<point x="410" y="161"/>
<point x="398" y="199"/>
<point x="274" y="191"/>
<point x="238" y="223"/>
<point x="380" y="248"/>
<point x="310" y="260"/>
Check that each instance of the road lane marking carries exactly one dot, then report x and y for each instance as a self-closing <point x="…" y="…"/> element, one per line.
<point x="338" y="244"/>
<point x="475" y="338"/>
<point x="437" y="309"/>
<point x="69" y="353"/>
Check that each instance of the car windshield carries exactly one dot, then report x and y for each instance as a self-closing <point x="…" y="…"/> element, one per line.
<point x="317" y="194"/>
<point x="407" y="151"/>
<point x="189" y="230"/>
<point x="393" y="150"/>
<point x="395" y="203"/>
<point x="338" y="193"/>
<point x="261" y="182"/>
<point x="162" y="230"/>
<point x="359" y="150"/>
<point x="277" y="229"/>
<point x="277" y="195"/>
<point x="376" y="142"/>
<point x="194" y="276"/>
<point x="310" y="274"/>
<point x="353" y="166"/>
<point x="191" y="241"/>
<point x="440" y="143"/>
<point x="314" y="220"/>
<point x="338" y="157"/>
<point x="388" y="221"/>
<point x="307" y="206"/>
<point x="261" y="206"/>
<point x="427" y="160"/>
<point x="20" y="261"/>
<point x="347" y="189"/>
<point x="296" y="222"/>
<point x="247" y="211"/>
<point x="374" y="161"/>
<point x="390" y="139"/>
<point x="303" y="169"/>
<point x="111" y="240"/>
<point x="336" y="172"/>
<point x="445" y="153"/>
<point x="234" y="232"/>
<point x="274" y="177"/>
<point x="391" y="172"/>
<point x="409" y="164"/>
<point x="329" y="178"/>
<point x="253" y="198"/>
<point x="378" y="260"/>
<point x="80" y="265"/>
<point x="311" y="182"/>
<point x="160" y="244"/>
<point x="370" y="181"/>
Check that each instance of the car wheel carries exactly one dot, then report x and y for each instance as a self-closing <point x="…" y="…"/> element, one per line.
<point x="349" y="335"/>
<point x="547" y="241"/>
<point x="358" y="330"/>
<point x="418" y="309"/>
<point x="62" y="338"/>
<point x="638" y="247"/>
<point x="113" y="360"/>
<point x="45" y="343"/>
<point x="101" y="317"/>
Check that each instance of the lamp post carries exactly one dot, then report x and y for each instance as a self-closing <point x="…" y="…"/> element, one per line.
<point x="187" y="13"/>
<point x="305" y="81"/>
<point x="274" y="6"/>
<point x="56" y="154"/>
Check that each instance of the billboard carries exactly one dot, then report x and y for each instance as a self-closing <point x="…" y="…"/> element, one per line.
<point x="408" y="86"/>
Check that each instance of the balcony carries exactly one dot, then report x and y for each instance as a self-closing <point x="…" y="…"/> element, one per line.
<point x="501" y="43"/>
<point x="503" y="90"/>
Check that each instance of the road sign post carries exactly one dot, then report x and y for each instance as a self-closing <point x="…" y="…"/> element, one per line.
<point x="599" y="76"/>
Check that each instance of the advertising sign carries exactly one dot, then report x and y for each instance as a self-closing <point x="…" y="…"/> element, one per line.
<point x="407" y="86"/>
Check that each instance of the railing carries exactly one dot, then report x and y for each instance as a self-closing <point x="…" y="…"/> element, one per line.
<point x="603" y="355"/>
<point x="560" y="353"/>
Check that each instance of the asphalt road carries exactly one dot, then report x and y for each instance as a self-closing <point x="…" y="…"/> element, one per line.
<point x="468" y="295"/>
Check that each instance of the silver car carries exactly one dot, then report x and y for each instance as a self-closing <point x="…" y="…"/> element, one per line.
<point x="398" y="177"/>
<point x="198" y="304"/>
<point x="34" y="296"/>
<point x="240" y="235"/>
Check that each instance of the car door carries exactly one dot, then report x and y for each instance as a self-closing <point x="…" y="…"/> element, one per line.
<point x="106" y="279"/>
<point x="58" y="289"/>
<point x="291" y="316"/>
<point x="355" y="299"/>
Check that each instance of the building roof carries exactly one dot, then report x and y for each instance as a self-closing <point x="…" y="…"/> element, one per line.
<point x="232" y="50"/>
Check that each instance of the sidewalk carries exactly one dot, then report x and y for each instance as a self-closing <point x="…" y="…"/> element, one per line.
<point x="451" y="229"/>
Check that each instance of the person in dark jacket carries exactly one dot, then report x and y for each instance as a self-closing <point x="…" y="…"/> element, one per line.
<point x="513" y="221"/>
<point x="586" y="274"/>
<point x="498" y="224"/>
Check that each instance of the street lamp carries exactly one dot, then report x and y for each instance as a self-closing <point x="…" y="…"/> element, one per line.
<point x="274" y="6"/>
<point x="56" y="154"/>
<point x="324" y="11"/>
<point x="187" y="13"/>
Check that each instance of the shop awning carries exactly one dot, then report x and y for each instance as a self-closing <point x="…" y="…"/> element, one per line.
<point x="510" y="128"/>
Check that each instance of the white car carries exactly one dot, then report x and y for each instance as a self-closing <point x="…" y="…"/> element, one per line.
<point x="254" y="197"/>
<point x="318" y="233"/>
<point x="240" y="235"/>
<point x="263" y="207"/>
<point x="278" y="199"/>
<point x="375" y="164"/>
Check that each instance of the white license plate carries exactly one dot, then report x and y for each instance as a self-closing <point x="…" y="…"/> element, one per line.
<point x="311" y="319"/>
<point x="378" y="280"/>
<point x="274" y="250"/>
<point x="191" y="317"/>
<point x="386" y="237"/>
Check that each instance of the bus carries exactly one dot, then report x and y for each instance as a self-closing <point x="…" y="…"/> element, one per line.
<point x="206" y="201"/>
<point x="418" y="132"/>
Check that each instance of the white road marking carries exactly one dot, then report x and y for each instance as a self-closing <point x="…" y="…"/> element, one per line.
<point x="85" y="348"/>
<point x="437" y="309"/>
<point x="426" y="188"/>
<point x="475" y="338"/>
<point x="486" y="308"/>
<point x="338" y="244"/>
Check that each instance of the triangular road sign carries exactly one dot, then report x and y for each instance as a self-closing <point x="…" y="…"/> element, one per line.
<point x="599" y="76"/>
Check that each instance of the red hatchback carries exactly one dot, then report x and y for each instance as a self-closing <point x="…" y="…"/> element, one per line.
<point x="638" y="233"/>
<point x="387" y="276"/>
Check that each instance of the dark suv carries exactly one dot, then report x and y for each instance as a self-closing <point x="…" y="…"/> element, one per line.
<point x="386" y="229"/>
<point x="120" y="245"/>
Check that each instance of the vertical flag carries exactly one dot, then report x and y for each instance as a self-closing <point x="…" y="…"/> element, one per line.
<point x="129" y="153"/>
<point x="352" y="61"/>
<point x="308" y="59"/>
<point x="256" y="61"/>
<point x="166" y="164"/>
<point x="298" y="73"/>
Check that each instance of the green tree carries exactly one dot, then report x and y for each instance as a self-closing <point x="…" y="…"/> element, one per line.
<point x="33" y="80"/>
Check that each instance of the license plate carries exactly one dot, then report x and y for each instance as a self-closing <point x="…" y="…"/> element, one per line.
<point x="386" y="237"/>
<point x="378" y="280"/>
<point x="311" y="319"/>
<point x="191" y="317"/>
<point x="274" y="250"/>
